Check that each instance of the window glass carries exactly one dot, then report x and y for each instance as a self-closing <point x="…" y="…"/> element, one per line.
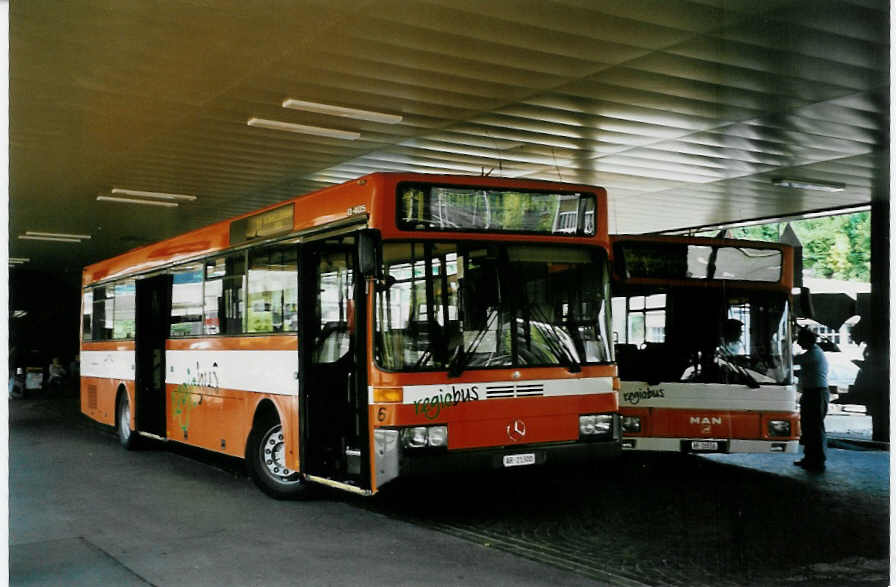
<point x="273" y="290"/>
<point x="681" y="261"/>
<point x="748" y="264"/>
<point x="704" y="335"/>
<point x="225" y="285"/>
<point x="334" y="306"/>
<point x="430" y="207"/>
<point x="103" y="304"/>
<point x="186" y="300"/>
<point x="87" y="318"/>
<point x="123" y="321"/>
<point x="455" y="306"/>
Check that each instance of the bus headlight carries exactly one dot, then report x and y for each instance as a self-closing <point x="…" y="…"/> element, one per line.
<point x="438" y="436"/>
<point x="779" y="427"/>
<point x="422" y="436"/>
<point x="596" y="425"/>
<point x="631" y="424"/>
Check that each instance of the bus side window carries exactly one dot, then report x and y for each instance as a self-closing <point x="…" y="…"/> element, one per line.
<point x="225" y="286"/>
<point x="103" y="305"/>
<point x="87" y="317"/>
<point x="273" y="290"/>
<point x="186" y="300"/>
<point x="123" y="319"/>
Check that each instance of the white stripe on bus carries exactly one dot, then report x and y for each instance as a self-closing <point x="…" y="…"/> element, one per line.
<point x="508" y="389"/>
<point x="707" y="396"/>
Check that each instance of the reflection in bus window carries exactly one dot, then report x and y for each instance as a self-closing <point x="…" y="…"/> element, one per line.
<point x="273" y="290"/>
<point x="458" y="305"/>
<point x="334" y="307"/>
<point x="87" y="318"/>
<point x="225" y="283"/>
<point x="186" y="300"/>
<point x="706" y="336"/>
<point x="103" y="305"/>
<point x="123" y="322"/>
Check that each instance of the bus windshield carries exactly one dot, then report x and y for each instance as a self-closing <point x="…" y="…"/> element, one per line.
<point x="702" y="335"/>
<point x="460" y="305"/>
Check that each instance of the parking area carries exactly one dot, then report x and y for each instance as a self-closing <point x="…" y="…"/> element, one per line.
<point x="83" y="511"/>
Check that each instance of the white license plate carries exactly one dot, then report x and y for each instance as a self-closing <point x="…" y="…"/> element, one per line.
<point x="704" y="445"/>
<point x="517" y="460"/>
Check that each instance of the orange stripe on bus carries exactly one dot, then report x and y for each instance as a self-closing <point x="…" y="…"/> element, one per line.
<point x="284" y="342"/>
<point x="108" y="345"/>
<point x="378" y="378"/>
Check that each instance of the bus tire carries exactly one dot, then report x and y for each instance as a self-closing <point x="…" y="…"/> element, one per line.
<point x="126" y="436"/>
<point x="265" y="456"/>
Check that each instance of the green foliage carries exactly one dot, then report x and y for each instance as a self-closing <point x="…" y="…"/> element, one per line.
<point x="834" y="247"/>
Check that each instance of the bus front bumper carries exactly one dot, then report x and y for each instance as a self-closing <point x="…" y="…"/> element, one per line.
<point x="392" y="461"/>
<point x="710" y="445"/>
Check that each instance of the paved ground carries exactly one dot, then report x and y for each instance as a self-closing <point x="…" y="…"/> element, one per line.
<point x="83" y="511"/>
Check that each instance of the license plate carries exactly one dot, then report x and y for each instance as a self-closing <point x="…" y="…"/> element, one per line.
<point x="704" y="445"/>
<point x="517" y="460"/>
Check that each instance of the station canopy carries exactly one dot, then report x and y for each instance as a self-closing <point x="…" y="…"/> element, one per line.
<point x="690" y="113"/>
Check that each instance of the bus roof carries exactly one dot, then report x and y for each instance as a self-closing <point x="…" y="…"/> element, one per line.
<point x="366" y="200"/>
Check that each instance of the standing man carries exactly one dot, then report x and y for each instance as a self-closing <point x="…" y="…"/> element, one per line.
<point x="814" y="398"/>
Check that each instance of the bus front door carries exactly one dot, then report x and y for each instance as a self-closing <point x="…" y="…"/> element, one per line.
<point x="153" y="310"/>
<point x="333" y="407"/>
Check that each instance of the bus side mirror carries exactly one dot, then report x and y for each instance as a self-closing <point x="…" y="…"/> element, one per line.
<point x="368" y="245"/>
<point x="804" y="308"/>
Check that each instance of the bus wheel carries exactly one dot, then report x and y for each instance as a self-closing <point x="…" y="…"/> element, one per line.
<point x="266" y="458"/>
<point x="126" y="436"/>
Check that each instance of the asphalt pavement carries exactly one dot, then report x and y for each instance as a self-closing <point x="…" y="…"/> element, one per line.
<point x="82" y="511"/>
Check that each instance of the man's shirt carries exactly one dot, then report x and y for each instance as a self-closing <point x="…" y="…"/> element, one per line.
<point x="814" y="368"/>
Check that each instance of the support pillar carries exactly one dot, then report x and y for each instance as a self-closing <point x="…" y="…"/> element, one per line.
<point x="878" y="356"/>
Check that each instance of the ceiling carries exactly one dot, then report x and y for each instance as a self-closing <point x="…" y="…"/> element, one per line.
<point x="684" y="111"/>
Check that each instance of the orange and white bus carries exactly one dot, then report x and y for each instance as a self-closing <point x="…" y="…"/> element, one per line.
<point x="701" y="328"/>
<point x="393" y="325"/>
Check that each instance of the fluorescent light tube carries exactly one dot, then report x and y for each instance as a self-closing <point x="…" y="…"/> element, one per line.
<point x="160" y="195"/>
<point x="59" y="234"/>
<point x="48" y="238"/>
<point x="137" y="201"/>
<point x="303" y="129"/>
<point x="805" y="184"/>
<point x="341" y="111"/>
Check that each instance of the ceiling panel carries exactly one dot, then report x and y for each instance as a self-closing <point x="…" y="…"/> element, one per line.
<point x="684" y="110"/>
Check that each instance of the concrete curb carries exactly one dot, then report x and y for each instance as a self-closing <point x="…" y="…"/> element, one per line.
<point x="856" y="443"/>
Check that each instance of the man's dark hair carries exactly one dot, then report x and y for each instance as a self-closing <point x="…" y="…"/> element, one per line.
<point x="806" y="337"/>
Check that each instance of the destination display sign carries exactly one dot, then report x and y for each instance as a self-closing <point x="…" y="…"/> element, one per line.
<point x="266" y="224"/>
<point x="484" y="209"/>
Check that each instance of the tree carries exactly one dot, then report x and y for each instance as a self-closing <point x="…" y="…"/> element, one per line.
<point x="834" y="247"/>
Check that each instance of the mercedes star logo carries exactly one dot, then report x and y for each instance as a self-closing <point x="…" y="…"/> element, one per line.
<point x="516" y="430"/>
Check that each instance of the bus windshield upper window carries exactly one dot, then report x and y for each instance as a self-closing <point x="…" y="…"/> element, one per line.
<point x="457" y="208"/>
<point x="681" y="261"/>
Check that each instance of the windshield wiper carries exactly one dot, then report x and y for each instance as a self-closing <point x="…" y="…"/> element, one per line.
<point x="729" y="357"/>
<point x="460" y="359"/>
<point x="554" y="340"/>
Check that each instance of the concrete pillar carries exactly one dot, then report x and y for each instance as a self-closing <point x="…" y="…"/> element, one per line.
<point x="879" y="335"/>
